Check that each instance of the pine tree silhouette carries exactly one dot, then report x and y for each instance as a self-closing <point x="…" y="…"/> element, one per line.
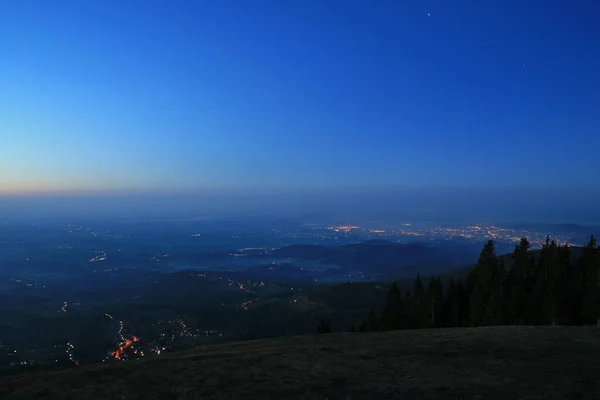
<point x="391" y="317"/>
<point x="554" y="288"/>
<point x="324" y="326"/>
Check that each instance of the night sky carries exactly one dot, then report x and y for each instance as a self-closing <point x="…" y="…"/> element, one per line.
<point x="298" y="94"/>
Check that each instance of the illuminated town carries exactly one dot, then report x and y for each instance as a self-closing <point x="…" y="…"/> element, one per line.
<point x="473" y="233"/>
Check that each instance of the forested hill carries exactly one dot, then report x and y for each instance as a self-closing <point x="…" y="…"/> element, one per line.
<point x="382" y="257"/>
<point x="557" y="285"/>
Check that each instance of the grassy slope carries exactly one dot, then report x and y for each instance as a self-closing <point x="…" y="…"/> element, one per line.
<point x="478" y="363"/>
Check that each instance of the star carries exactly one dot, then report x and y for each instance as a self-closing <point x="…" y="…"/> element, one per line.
<point x="429" y="14"/>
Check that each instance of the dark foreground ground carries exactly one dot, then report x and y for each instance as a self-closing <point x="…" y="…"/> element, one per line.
<point x="478" y="363"/>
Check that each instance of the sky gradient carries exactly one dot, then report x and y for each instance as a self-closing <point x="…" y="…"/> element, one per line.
<point x="158" y="96"/>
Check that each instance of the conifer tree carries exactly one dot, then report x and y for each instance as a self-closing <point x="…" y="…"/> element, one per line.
<point x="324" y="326"/>
<point x="568" y="289"/>
<point x="463" y="304"/>
<point x="591" y="282"/>
<point x="408" y="306"/>
<point x="543" y="299"/>
<point x="597" y="268"/>
<point x="391" y="317"/>
<point x="418" y="287"/>
<point x="435" y="299"/>
<point x="563" y="282"/>
<point x="497" y="275"/>
<point x="451" y="309"/>
<point x="363" y="327"/>
<point x="372" y="323"/>
<point x="515" y="286"/>
<point x="456" y="305"/>
<point x="486" y="295"/>
<point x="419" y="307"/>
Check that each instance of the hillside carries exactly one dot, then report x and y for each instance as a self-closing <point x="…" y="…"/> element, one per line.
<point x="384" y="259"/>
<point x="473" y="363"/>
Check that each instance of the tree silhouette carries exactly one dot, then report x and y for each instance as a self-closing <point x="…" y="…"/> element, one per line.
<point x="372" y="323"/>
<point x="590" y="301"/>
<point x="543" y="298"/>
<point x="455" y="307"/>
<point x="420" y="310"/>
<point x="324" y="326"/>
<point x="550" y="288"/>
<point x="486" y="295"/>
<point x="435" y="298"/>
<point x="391" y="317"/>
<point x="515" y="286"/>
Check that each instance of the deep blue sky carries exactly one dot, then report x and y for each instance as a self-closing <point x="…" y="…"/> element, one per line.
<point x="169" y="95"/>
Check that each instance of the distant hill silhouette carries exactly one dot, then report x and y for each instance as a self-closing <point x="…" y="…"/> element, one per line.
<point x="382" y="257"/>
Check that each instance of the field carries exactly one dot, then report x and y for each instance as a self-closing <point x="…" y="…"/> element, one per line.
<point x="471" y="363"/>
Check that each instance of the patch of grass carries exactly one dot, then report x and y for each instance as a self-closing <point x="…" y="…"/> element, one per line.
<point x="484" y="363"/>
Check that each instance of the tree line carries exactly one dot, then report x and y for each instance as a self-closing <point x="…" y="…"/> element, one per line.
<point x="545" y="287"/>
